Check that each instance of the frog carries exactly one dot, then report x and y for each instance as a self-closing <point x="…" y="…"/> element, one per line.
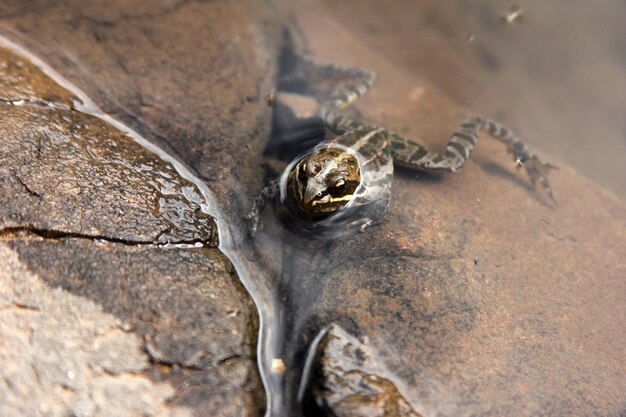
<point x="344" y="182"/>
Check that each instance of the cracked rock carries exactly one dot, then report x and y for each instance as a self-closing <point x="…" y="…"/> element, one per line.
<point x="63" y="171"/>
<point x="113" y="298"/>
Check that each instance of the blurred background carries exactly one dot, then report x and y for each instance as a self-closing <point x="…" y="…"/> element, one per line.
<point x="553" y="71"/>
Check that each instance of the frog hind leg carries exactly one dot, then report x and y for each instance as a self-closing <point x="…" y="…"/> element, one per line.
<point x="335" y="87"/>
<point x="359" y="82"/>
<point x="327" y="83"/>
<point x="460" y="147"/>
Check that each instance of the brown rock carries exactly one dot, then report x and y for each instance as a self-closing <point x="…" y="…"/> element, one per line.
<point x="67" y="172"/>
<point x="177" y="303"/>
<point x="22" y="82"/>
<point x="87" y="210"/>
<point x="191" y="76"/>
<point x="51" y="354"/>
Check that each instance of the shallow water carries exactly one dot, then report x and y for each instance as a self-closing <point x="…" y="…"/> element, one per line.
<point x="413" y="287"/>
<point x="501" y="61"/>
<point x="556" y="73"/>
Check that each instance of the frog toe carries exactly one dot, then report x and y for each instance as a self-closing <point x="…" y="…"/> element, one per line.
<point x="538" y="171"/>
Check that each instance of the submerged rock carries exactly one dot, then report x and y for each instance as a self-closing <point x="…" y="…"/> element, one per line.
<point x="477" y="295"/>
<point x="345" y="383"/>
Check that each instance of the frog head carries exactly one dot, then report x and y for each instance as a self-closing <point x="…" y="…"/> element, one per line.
<point x="322" y="182"/>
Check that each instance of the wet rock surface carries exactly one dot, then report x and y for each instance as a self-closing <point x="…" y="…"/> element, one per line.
<point x="68" y="173"/>
<point x="111" y="269"/>
<point x="190" y="76"/>
<point x="23" y="83"/>
<point x="476" y="296"/>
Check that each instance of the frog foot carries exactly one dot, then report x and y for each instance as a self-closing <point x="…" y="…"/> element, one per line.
<point x="253" y="218"/>
<point x="252" y="221"/>
<point x="538" y="171"/>
<point x="360" y="225"/>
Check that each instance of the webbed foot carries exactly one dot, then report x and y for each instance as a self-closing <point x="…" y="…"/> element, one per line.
<point x="538" y="171"/>
<point x="253" y="218"/>
<point x="360" y="225"/>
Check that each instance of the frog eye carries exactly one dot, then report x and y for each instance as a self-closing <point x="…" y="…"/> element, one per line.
<point x="339" y="186"/>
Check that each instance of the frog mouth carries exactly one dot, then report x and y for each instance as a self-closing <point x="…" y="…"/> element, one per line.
<point x="327" y="199"/>
<point x="322" y="207"/>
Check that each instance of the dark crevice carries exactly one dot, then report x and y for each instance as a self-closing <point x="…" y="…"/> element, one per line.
<point x="9" y="233"/>
<point x="172" y="365"/>
<point x="175" y="365"/>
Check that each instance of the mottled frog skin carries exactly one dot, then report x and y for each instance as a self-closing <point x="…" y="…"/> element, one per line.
<point x="344" y="183"/>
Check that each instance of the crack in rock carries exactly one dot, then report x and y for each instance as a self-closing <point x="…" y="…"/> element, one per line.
<point x="14" y="233"/>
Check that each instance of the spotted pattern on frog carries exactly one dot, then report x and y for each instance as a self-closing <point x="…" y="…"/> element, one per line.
<point x="350" y="175"/>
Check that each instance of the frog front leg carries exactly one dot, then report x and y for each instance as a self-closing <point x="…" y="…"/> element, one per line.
<point x="374" y="217"/>
<point x="461" y="145"/>
<point x="268" y="194"/>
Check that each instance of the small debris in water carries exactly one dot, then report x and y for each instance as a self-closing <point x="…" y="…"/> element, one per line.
<point x="233" y="312"/>
<point x="417" y="93"/>
<point x="278" y="367"/>
<point x="475" y="261"/>
<point x="270" y="98"/>
<point x="471" y="38"/>
<point x="514" y="15"/>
